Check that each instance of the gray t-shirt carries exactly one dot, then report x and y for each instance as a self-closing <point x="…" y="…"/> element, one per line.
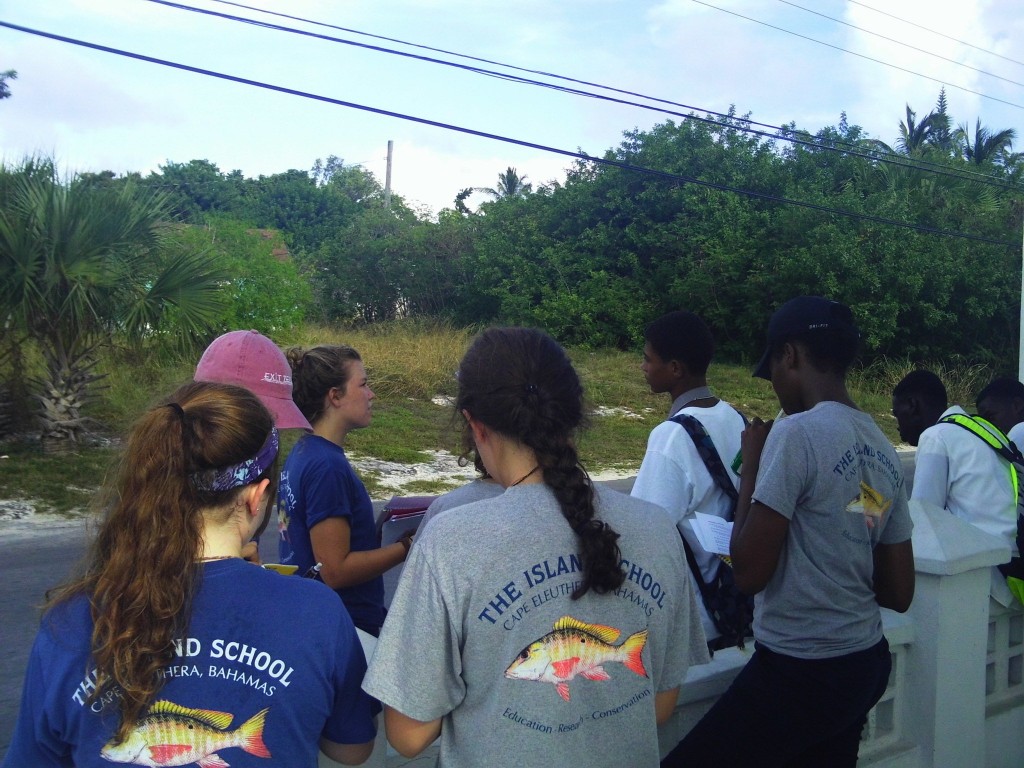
<point x="835" y="476"/>
<point x="481" y="488"/>
<point x="483" y="633"/>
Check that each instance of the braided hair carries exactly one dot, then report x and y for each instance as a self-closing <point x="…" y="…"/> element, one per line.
<point x="520" y="383"/>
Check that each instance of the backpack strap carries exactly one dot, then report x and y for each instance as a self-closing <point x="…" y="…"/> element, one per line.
<point x="730" y="610"/>
<point x="708" y="453"/>
<point x="698" y="579"/>
<point x="993" y="437"/>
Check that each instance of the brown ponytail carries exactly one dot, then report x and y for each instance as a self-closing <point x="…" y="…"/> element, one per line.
<point x="142" y="572"/>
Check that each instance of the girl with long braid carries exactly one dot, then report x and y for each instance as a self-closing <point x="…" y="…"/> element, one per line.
<point x="170" y="649"/>
<point x="552" y="624"/>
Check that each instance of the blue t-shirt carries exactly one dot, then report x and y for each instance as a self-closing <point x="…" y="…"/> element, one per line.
<point x="317" y="482"/>
<point x="271" y="663"/>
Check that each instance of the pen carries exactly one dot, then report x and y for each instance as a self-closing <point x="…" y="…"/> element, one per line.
<point x="314" y="572"/>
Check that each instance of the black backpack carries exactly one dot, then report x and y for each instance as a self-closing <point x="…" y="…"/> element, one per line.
<point x="731" y="611"/>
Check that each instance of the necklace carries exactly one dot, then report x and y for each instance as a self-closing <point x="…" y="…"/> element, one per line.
<point x="517" y="482"/>
<point x="214" y="557"/>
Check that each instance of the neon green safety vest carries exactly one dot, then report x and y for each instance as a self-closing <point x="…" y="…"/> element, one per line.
<point x="994" y="438"/>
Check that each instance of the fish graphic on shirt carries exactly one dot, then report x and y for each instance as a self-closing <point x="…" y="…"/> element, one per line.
<point x="869" y="503"/>
<point x="574" y="648"/>
<point x="170" y="735"/>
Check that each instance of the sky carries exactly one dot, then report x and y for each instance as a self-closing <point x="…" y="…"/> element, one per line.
<point x="774" y="59"/>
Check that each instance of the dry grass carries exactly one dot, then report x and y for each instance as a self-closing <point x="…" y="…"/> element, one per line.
<point x="410" y="363"/>
<point x="402" y="359"/>
<point x="963" y="380"/>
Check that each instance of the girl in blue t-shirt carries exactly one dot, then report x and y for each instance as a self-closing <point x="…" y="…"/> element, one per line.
<point x="326" y="514"/>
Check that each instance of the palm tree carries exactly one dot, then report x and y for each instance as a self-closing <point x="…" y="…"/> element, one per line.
<point x="5" y="89"/>
<point x="510" y="184"/>
<point x="941" y="135"/>
<point x="81" y="263"/>
<point x="986" y="147"/>
<point x="460" y="200"/>
<point x="915" y="136"/>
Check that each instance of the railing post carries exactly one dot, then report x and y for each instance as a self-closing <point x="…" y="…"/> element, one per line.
<point x="946" y="707"/>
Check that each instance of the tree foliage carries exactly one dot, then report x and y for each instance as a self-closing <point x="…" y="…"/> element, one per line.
<point x="81" y="263"/>
<point x="5" y="78"/>
<point x="594" y="259"/>
<point x="598" y="258"/>
<point x="262" y="286"/>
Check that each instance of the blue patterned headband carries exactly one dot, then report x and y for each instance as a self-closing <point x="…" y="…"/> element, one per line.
<point x="237" y="475"/>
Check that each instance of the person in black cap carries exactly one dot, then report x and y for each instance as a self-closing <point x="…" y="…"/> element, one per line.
<point x="822" y="537"/>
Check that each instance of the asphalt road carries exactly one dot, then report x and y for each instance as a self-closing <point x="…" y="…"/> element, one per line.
<point x="35" y="556"/>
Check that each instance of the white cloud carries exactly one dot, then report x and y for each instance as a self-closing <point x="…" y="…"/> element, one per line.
<point x="887" y="90"/>
<point x="95" y="110"/>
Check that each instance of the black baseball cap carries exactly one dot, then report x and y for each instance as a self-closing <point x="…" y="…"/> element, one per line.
<point x="800" y="315"/>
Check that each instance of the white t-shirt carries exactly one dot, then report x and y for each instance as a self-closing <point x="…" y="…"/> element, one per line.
<point x="674" y="476"/>
<point x="1016" y="434"/>
<point x="956" y="470"/>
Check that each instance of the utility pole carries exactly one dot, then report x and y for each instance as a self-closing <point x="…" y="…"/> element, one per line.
<point x="1020" y="349"/>
<point x="387" y="179"/>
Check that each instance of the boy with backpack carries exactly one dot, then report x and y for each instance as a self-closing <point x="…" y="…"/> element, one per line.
<point x="687" y="465"/>
<point x="822" y="536"/>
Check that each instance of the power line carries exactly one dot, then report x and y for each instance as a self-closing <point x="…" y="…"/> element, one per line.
<point x="860" y="55"/>
<point x="781" y="133"/>
<point x="509" y="140"/>
<point x="940" y="34"/>
<point x="900" y="42"/>
<point x="786" y="134"/>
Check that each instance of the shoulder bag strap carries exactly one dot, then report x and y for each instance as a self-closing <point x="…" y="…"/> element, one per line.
<point x="695" y="569"/>
<point x="708" y="453"/>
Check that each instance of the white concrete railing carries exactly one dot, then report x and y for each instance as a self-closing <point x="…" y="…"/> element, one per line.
<point x="956" y="691"/>
<point x="1004" y="682"/>
<point x="885" y="734"/>
<point x="1004" y="688"/>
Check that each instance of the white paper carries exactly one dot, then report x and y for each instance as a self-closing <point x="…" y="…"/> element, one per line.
<point x="713" y="533"/>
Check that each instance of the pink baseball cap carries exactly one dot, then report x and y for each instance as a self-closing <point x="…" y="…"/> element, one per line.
<point x="251" y="360"/>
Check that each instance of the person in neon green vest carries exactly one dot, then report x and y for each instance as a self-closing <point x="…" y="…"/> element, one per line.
<point x="1001" y="401"/>
<point x="958" y="464"/>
